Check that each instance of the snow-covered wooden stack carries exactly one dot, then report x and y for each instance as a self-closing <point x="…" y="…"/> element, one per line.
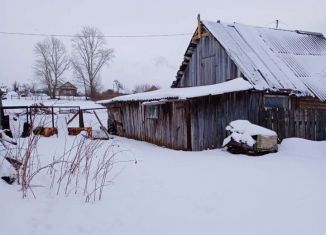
<point x="245" y="137"/>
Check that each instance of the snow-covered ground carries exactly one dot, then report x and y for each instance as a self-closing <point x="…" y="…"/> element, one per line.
<point x="177" y="192"/>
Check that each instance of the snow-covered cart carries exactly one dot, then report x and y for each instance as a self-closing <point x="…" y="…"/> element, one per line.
<point x="248" y="138"/>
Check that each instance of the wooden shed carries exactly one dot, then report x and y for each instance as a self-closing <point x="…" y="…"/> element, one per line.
<point x="67" y="89"/>
<point x="272" y="77"/>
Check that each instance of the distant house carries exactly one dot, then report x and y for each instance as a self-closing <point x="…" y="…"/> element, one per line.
<point x="272" y="77"/>
<point x="39" y="92"/>
<point x="66" y="89"/>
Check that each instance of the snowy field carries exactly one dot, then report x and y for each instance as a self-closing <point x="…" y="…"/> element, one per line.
<point x="155" y="190"/>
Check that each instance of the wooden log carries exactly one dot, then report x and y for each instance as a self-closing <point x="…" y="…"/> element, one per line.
<point x="45" y="131"/>
<point x="77" y="130"/>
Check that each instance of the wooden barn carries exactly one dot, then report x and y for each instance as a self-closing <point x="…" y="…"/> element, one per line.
<point x="272" y="77"/>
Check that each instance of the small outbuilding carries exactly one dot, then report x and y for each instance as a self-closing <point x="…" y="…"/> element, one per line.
<point x="66" y="89"/>
<point x="274" y="78"/>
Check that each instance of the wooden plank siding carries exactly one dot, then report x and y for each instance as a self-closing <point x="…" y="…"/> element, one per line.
<point x="209" y="64"/>
<point x="211" y="114"/>
<point x="199" y="123"/>
<point x="169" y="129"/>
<point x="194" y="124"/>
<point x="302" y="123"/>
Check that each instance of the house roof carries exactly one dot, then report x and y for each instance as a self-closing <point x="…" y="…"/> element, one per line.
<point x="67" y="85"/>
<point x="275" y="59"/>
<point x="238" y="84"/>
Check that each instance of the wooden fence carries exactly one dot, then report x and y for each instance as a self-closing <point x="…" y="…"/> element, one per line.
<point x="304" y="123"/>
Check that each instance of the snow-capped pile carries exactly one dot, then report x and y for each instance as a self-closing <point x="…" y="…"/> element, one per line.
<point x="242" y="131"/>
<point x="237" y="84"/>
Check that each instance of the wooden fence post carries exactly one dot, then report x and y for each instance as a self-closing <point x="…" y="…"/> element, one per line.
<point x="81" y="118"/>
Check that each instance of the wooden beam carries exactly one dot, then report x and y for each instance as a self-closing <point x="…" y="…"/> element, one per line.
<point x="52" y="112"/>
<point x="199" y="26"/>
<point x="103" y="128"/>
<point x="73" y="117"/>
<point x="81" y="118"/>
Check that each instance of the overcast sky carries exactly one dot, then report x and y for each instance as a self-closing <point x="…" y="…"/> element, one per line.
<point x="137" y="60"/>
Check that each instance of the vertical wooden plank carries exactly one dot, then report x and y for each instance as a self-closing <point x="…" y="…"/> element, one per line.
<point x="269" y="119"/>
<point x="302" y="123"/>
<point x="296" y="123"/>
<point x="280" y="123"/>
<point x="309" y="126"/>
<point x="322" y="124"/>
<point x="286" y="124"/>
<point x="291" y="123"/>
<point x="198" y="65"/>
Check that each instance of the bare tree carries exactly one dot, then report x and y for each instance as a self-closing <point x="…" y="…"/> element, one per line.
<point x="51" y="63"/>
<point x="145" y="88"/>
<point x="89" y="55"/>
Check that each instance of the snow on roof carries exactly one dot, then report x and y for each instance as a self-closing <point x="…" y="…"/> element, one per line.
<point x="238" y="84"/>
<point x="276" y="59"/>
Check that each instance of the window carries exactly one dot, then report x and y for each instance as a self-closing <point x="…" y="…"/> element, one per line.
<point x="276" y="101"/>
<point x="151" y="111"/>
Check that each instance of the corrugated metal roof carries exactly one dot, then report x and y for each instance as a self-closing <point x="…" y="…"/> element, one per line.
<point x="276" y="59"/>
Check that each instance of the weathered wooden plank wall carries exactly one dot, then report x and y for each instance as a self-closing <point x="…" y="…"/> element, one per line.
<point x="303" y="123"/>
<point x="170" y="129"/>
<point x="209" y="64"/>
<point x="199" y="123"/>
<point x="211" y="114"/>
